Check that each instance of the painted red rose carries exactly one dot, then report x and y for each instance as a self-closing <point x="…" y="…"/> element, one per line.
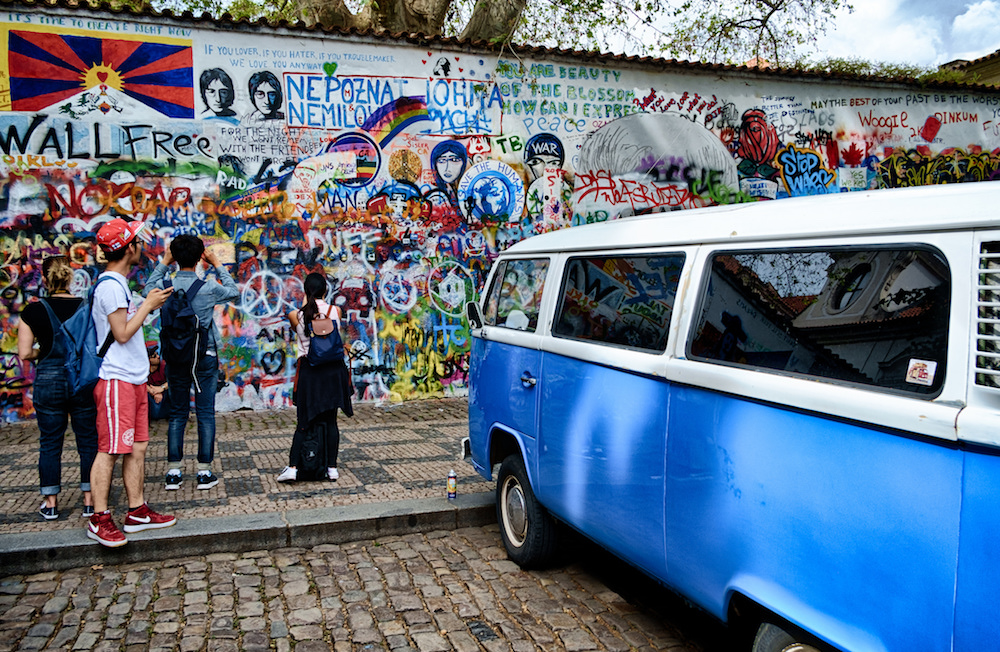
<point x="758" y="139"/>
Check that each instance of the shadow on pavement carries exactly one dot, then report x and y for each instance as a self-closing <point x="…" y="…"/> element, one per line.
<point x="697" y="628"/>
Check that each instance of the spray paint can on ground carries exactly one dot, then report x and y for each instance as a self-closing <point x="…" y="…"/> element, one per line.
<point x="452" y="485"/>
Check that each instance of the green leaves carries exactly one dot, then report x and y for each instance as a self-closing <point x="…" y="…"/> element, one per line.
<point x="733" y="31"/>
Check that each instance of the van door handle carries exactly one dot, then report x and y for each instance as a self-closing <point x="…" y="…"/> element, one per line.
<point x="527" y="380"/>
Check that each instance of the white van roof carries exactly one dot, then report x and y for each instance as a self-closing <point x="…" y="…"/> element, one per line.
<point x="944" y="207"/>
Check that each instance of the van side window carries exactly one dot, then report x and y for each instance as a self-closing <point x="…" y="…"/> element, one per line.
<point x="620" y="300"/>
<point x="873" y="316"/>
<point x="516" y="294"/>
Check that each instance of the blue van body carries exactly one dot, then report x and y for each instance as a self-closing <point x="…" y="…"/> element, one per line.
<point x="864" y="519"/>
<point x="689" y="495"/>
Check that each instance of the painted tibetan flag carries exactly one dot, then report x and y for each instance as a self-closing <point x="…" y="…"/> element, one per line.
<point x="47" y="68"/>
<point x="390" y="119"/>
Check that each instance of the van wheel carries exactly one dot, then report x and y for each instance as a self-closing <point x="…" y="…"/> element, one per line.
<point x="771" y="638"/>
<point x="528" y="532"/>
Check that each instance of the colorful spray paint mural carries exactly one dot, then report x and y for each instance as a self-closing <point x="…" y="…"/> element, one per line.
<point x="399" y="172"/>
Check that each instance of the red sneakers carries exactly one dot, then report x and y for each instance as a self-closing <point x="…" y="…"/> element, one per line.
<point x="146" y="519"/>
<point x="102" y="529"/>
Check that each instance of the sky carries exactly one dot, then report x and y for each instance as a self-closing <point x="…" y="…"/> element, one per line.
<point x="920" y="32"/>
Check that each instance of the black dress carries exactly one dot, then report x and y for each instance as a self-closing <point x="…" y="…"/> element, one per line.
<point x="320" y="391"/>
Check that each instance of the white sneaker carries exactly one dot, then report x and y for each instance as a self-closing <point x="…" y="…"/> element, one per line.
<point x="288" y="475"/>
<point x="331" y="473"/>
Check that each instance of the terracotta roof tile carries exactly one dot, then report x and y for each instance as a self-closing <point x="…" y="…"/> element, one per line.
<point x="966" y="64"/>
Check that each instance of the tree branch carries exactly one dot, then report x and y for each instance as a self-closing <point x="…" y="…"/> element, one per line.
<point x="494" y="20"/>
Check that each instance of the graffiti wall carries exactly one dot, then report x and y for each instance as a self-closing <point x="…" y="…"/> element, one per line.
<point x="399" y="172"/>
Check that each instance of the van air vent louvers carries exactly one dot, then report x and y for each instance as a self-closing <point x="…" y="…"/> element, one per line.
<point x="988" y="316"/>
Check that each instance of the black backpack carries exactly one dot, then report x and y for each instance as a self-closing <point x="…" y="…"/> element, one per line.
<point x="183" y="339"/>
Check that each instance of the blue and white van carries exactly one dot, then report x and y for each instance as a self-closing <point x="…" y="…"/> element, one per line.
<point x="788" y="412"/>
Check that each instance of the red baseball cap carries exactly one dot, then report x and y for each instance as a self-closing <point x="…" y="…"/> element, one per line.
<point x="118" y="233"/>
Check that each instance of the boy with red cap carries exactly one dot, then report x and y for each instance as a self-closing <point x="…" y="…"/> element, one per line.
<point x="120" y="395"/>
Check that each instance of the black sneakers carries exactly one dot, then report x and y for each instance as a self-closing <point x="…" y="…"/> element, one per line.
<point x="207" y="479"/>
<point x="48" y="513"/>
<point x="173" y="480"/>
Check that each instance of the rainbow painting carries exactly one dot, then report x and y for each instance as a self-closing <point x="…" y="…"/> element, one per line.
<point x="47" y="68"/>
<point x="390" y="119"/>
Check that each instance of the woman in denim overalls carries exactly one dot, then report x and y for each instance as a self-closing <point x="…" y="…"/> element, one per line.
<point x="54" y="406"/>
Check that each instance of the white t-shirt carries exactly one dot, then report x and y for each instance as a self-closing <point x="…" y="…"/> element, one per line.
<point x="300" y="330"/>
<point x="128" y="361"/>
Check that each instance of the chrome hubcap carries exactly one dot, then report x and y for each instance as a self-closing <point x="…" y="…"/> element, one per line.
<point x="514" y="513"/>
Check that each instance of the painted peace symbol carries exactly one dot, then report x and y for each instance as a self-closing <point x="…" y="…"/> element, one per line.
<point x="262" y="296"/>
<point x="397" y="292"/>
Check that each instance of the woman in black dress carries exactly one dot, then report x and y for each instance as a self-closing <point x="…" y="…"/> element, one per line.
<point x="321" y="389"/>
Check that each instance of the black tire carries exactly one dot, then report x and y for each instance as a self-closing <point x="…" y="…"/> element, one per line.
<point x="771" y="638"/>
<point x="527" y="530"/>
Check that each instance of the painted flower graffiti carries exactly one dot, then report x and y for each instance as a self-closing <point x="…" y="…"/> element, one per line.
<point x="758" y="145"/>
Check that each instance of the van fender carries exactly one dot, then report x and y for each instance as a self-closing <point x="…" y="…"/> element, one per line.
<point x="771" y="599"/>
<point x="503" y="441"/>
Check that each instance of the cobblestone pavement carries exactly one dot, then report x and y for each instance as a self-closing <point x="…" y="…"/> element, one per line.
<point x="390" y="452"/>
<point x="428" y="592"/>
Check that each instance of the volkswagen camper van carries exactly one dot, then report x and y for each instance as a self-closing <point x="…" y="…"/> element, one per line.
<point x="788" y="412"/>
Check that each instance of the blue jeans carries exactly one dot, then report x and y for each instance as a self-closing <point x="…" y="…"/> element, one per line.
<point x="179" y="386"/>
<point x="54" y="408"/>
<point x="159" y="410"/>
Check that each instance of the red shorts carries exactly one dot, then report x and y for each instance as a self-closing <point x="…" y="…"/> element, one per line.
<point x="122" y="415"/>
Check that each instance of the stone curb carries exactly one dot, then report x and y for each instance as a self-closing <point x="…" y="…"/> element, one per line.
<point x="36" y="552"/>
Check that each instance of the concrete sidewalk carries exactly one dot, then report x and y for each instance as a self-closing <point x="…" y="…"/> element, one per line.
<point x="394" y="461"/>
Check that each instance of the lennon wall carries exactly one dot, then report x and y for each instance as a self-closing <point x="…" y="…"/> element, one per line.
<point x="399" y="171"/>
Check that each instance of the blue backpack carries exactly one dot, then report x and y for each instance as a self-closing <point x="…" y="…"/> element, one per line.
<point x="325" y="343"/>
<point x="77" y="338"/>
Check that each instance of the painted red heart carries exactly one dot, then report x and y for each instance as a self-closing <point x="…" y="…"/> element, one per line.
<point x="423" y="61"/>
<point x="103" y="76"/>
<point x="461" y="70"/>
<point x="429" y="53"/>
<point x="456" y="59"/>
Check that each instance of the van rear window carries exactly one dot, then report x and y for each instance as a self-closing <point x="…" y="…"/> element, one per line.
<point x="874" y="316"/>
<point x="619" y="300"/>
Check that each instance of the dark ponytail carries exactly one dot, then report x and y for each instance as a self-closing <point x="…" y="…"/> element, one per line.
<point x="315" y="287"/>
